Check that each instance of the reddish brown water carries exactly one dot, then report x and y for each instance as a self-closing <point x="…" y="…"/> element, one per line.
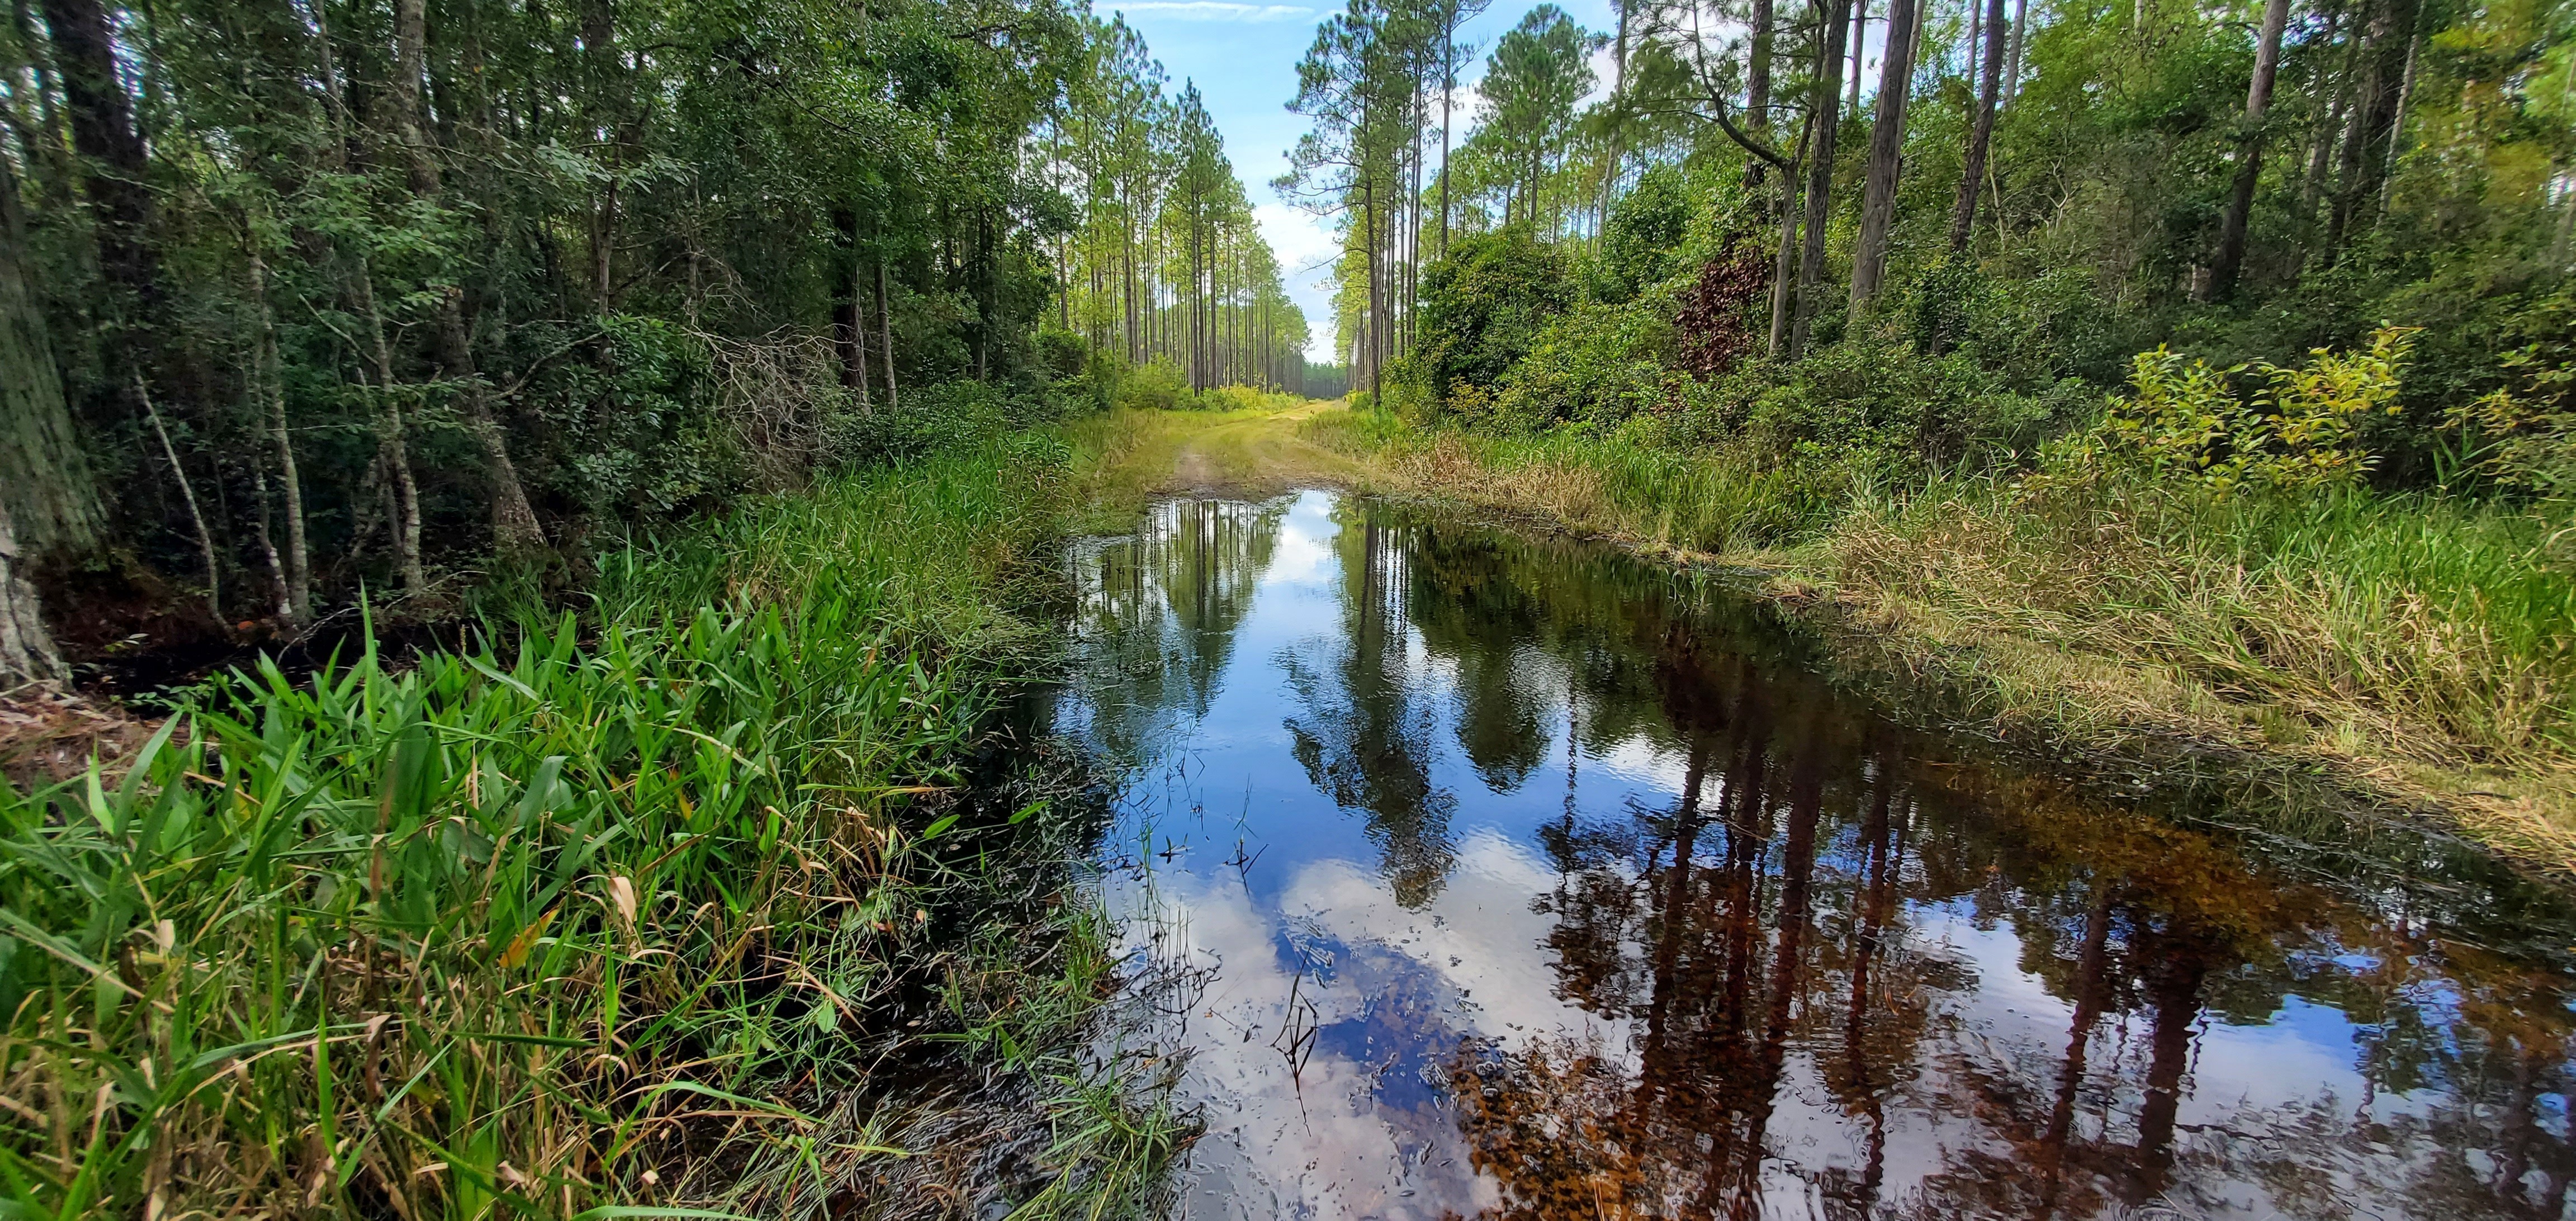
<point x="1480" y="875"/>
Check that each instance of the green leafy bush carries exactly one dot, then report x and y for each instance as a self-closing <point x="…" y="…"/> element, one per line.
<point x="1157" y="385"/>
<point x="1599" y="364"/>
<point x="1245" y="398"/>
<point x="2522" y="435"/>
<point x="1877" y="405"/>
<point x="1483" y="307"/>
<point x="2182" y="419"/>
<point x="935" y="419"/>
<point x="1643" y="242"/>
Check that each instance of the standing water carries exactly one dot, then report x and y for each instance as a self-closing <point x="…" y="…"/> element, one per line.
<point x="1476" y="874"/>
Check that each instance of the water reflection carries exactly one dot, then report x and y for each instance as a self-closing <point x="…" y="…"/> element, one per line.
<point x="1489" y="876"/>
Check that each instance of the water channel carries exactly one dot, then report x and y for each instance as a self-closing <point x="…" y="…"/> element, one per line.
<point x="1481" y="874"/>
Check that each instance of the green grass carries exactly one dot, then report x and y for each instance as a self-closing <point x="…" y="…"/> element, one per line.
<point x="1709" y="502"/>
<point x="654" y="904"/>
<point x="2420" y="646"/>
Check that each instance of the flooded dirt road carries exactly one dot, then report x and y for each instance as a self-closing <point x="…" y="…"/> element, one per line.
<point x="1478" y="874"/>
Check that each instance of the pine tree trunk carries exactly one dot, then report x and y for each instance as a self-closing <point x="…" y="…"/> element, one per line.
<point x="2240" y="205"/>
<point x="1972" y="179"/>
<point x="1820" y="172"/>
<point x="1886" y="152"/>
<point x="1859" y="46"/>
<point x="1784" y="263"/>
<point x="2012" y="57"/>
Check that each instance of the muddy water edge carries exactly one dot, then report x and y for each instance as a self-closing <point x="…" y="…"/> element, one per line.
<point x="1474" y="873"/>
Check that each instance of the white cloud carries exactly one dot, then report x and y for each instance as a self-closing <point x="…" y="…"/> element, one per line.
<point x="1215" y="10"/>
<point x="1305" y="248"/>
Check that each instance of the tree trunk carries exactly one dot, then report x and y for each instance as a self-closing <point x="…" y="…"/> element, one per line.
<point x="1886" y="152"/>
<point x="112" y="152"/>
<point x="1859" y="46"/>
<point x="2012" y="57"/>
<point x="1972" y="179"/>
<point x="26" y="649"/>
<point x="295" y="568"/>
<point x="1820" y="171"/>
<point x="392" y="449"/>
<point x="53" y="183"/>
<point x="2321" y="158"/>
<point x="188" y="494"/>
<point x="847" y="339"/>
<point x="2374" y="120"/>
<point x="45" y="482"/>
<point x="885" y="330"/>
<point x="2240" y="205"/>
<point x="1757" y="67"/>
<point x="514" y="523"/>
<point x="1448" y="86"/>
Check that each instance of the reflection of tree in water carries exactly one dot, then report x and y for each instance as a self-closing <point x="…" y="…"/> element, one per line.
<point x="1365" y="737"/>
<point x="1778" y="935"/>
<point x="1158" y="616"/>
<point x="1766" y="918"/>
<point x="1471" y="612"/>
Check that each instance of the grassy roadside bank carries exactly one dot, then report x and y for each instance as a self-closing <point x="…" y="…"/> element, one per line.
<point x="2407" y="650"/>
<point x="711" y="895"/>
<point x="2410" y="649"/>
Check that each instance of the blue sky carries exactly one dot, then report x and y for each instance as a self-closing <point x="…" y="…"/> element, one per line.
<point x="1243" y="55"/>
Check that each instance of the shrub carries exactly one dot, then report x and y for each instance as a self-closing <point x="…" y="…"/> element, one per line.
<point x="1245" y="398"/>
<point x="1157" y="385"/>
<point x="2522" y="436"/>
<point x="2183" y="419"/>
<point x="1483" y="305"/>
<point x="1874" y="404"/>
<point x="1599" y="364"/>
<point x="937" y="418"/>
<point x="1642" y="242"/>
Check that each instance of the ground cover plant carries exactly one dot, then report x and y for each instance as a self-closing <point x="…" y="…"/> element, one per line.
<point x="668" y="900"/>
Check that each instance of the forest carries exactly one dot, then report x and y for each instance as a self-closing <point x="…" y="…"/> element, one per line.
<point x="529" y="533"/>
<point x="305" y="297"/>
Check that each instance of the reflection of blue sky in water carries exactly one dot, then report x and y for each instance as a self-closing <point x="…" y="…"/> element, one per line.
<point x="1401" y="952"/>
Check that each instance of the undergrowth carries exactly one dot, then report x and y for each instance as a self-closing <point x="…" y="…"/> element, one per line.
<point x="710" y="895"/>
<point x="2418" y="640"/>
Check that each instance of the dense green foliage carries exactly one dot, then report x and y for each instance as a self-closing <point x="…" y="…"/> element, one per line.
<point x="634" y="907"/>
<point x="2245" y="186"/>
<point x="2202" y="369"/>
<point x="350" y="292"/>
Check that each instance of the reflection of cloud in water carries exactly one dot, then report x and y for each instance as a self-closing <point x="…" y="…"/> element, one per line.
<point x="1304" y="552"/>
<point x="1653" y="765"/>
<point x="1363" y="1129"/>
<point x="1847" y="980"/>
